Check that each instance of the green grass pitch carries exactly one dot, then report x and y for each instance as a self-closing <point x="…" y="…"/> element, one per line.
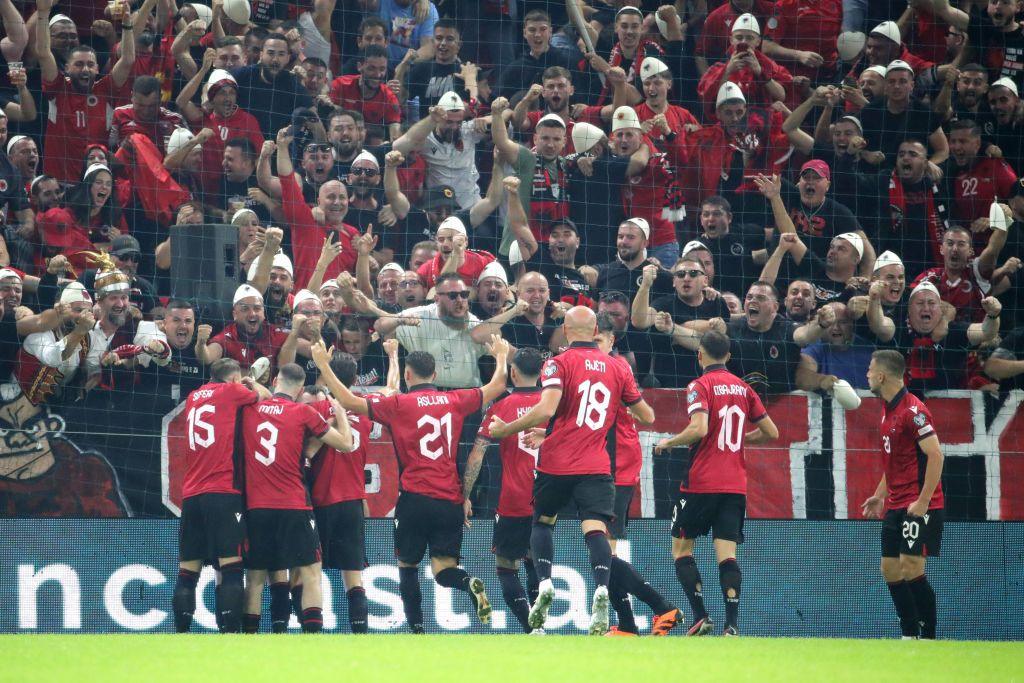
<point x="457" y="658"/>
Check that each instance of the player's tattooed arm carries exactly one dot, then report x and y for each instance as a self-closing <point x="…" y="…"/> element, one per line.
<point x="473" y="465"/>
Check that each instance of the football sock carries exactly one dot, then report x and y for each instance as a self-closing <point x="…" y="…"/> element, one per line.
<point x="515" y="596"/>
<point x="731" y="578"/>
<point x="250" y="623"/>
<point x="906" y="610"/>
<point x="357" y="610"/>
<point x="409" y="588"/>
<point x="532" y="581"/>
<point x="312" y="620"/>
<point x="619" y="598"/>
<point x="184" y="600"/>
<point x="542" y="548"/>
<point x="296" y="593"/>
<point x="280" y="607"/>
<point x="626" y="574"/>
<point x="457" y="578"/>
<point x="689" y="578"/>
<point x="230" y="597"/>
<point x="924" y="602"/>
<point x="600" y="556"/>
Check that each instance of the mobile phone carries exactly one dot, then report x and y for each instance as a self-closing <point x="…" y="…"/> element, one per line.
<point x="850" y="81"/>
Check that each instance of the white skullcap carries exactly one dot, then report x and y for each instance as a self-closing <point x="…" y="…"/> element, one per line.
<point x="178" y="139"/>
<point x="7" y="272"/>
<point x="996" y="217"/>
<point x="652" y="66"/>
<point x="391" y="267"/>
<point x="888" y="29"/>
<point x="898" y="64"/>
<point x="95" y="168"/>
<point x="553" y="118"/>
<point x="240" y="214"/>
<point x="366" y="156"/>
<point x="1007" y="83"/>
<point x="728" y="92"/>
<point x="332" y="284"/>
<point x="281" y="260"/>
<point x="855" y="121"/>
<point x="628" y="8"/>
<point x="238" y="11"/>
<point x="856" y="240"/>
<point x="693" y="245"/>
<point x="494" y="269"/>
<point x="75" y="292"/>
<point x="746" y="22"/>
<point x="886" y="258"/>
<point x="585" y="136"/>
<point x="304" y="295"/>
<point x="662" y="24"/>
<point x="246" y="292"/>
<point x="450" y="101"/>
<point x="849" y="44"/>
<point x="641" y="223"/>
<point x="15" y="140"/>
<point x="218" y="75"/>
<point x="925" y="286"/>
<point x="452" y="223"/>
<point x="515" y="254"/>
<point x="204" y="12"/>
<point x="878" y="69"/>
<point x="625" y="117"/>
<point x="57" y="18"/>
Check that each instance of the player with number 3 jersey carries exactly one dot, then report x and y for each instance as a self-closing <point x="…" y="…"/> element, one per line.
<point x="582" y="390"/>
<point x="713" y="496"/>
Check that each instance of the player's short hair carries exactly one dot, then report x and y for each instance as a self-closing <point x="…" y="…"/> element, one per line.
<point x="970" y="125"/>
<point x="228" y="41"/>
<point x="354" y="115"/>
<point x="222" y="369"/>
<point x="605" y="324"/>
<point x="421" y="364"/>
<point x="447" y="277"/>
<point x="372" y="22"/>
<point x="715" y="344"/>
<point x="244" y="144"/>
<point x="448" y="24"/>
<point x="345" y="367"/>
<point x="974" y="67"/>
<point x="528" y="361"/>
<point x="537" y="15"/>
<point x="292" y="375"/>
<point x="146" y="86"/>
<point x="719" y="201"/>
<point x="614" y="296"/>
<point x="429" y="245"/>
<point x="892" y="361"/>
<point x="371" y="52"/>
<point x="276" y="36"/>
<point x="957" y="227"/>
<point x="767" y="285"/>
<point x="314" y="61"/>
<point x="179" y="303"/>
<point x="259" y="33"/>
<point x="556" y="72"/>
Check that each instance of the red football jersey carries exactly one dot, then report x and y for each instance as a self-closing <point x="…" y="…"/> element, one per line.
<point x="211" y="411"/>
<point x="308" y="236"/>
<point x="644" y="196"/>
<point x="592" y="387"/>
<point x="906" y="421"/>
<point x="678" y="118"/>
<point x="247" y="349"/>
<point x="718" y="465"/>
<point x="476" y="261"/>
<point x="753" y="87"/>
<point x="628" y="456"/>
<point x="241" y="124"/>
<point x="125" y="123"/>
<point x="975" y="189"/>
<point x="425" y="426"/>
<point x="964" y="293"/>
<point x="809" y="25"/>
<point x="75" y="121"/>
<point x="518" y="461"/>
<point x="338" y="476"/>
<point x="275" y="432"/>
<point x="381" y="109"/>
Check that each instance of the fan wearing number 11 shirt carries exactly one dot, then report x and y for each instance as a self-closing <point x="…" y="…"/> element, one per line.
<point x="714" y="494"/>
<point x="582" y="389"/>
<point x="425" y="424"/>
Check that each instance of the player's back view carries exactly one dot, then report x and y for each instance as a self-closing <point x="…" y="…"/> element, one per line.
<point x="713" y="496"/>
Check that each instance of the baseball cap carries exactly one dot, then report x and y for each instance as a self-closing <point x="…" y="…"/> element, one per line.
<point x="819" y="167"/>
<point x="441" y="195"/>
<point x="125" y="244"/>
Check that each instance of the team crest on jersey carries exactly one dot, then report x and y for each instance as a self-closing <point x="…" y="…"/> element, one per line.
<point x="920" y="419"/>
<point x="92" y="100"/>
<point x="549" y="369"/>
<point x="3" y="185"/>
<point x="773" y="351"/>
<point x="736" y="249"/>
<point x="691" y="397"/>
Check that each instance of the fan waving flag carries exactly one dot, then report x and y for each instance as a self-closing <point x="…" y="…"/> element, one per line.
<point x="158" y="192"/>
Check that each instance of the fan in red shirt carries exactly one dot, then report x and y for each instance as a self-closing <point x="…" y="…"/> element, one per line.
<point x="339" y="490"/>
<point x="761" y="80"/>
<point x="425" y="425"/>
<point x="713" y="494"/>
<point x="79" y="102"/>
<point x="212" y="522"/>
<point x="909" y="497"/>
<point x="670" y="123"/>
<point x="279" y="433"/>
<point x="225" y="118"/>
<point x="802" y="34"/>
<point x="976" y="181"/>
<point x="144" y="115"/>
<point x="367" y="93"/>
<point x="883" y="46"/>
<point x="582" y="391"/>
<point x="307" y="233"/>
<point x="451" y="242"/>
<point x="713" y="42"/>
<point x="247" y="338"/>
<point x="557" y="90"/>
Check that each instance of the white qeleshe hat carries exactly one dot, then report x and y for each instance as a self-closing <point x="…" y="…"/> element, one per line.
<point x="585" y="136"/>
<point x="452" y="223"/>
<point x="652" y="66"/>
<point x="641" y="223"/>
<point x="898" y="65"/>
<point x="281" y="260"/>
<point x="366" y="156"/>
<point x="729" y="92"/>
<point x="245" y="292"/>
<point x="493" y="269"/>
<point x="204" y="12"/>
<point x="746" y="22"/>
<point x="878" y="69"/>
<point x="238" y="11"/>
<point x="450" y="101"/>
<point x="75" y="292"/>
<point x="886" y="258"/>
<point x="925" y="286"/>
<point x="551" y="118"/>
<point x="1007" y="83"/>
<point x="625" y="117"/>
<point x="302" y="296"/>
<point x="179" y="137"/>
<point x="662" y="24"/>
<point x="855" y="240"/>
<point x="888" y="29"/>
<point x="693" y="245"/>
<point x="391" y="267"/>
<point x="849" y="44"/>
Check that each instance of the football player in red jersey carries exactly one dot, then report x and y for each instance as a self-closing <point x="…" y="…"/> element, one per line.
<point x="339" y="490"/>
<point x="511" y="540"/>
<point x="429" y="510"/>
<point x="909" y="497"/>
<point x="714" y="494"/>
<point x="212" y="519"/>
<point x="279" y="433"/>
<point x="581" y="391"/>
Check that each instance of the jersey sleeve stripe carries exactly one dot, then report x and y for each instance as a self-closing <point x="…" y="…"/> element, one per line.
<point x="552" y="382"/>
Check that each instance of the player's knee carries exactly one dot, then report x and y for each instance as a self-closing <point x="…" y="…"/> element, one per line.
<point x="910" y="567"/>
<point x="544" y="520"/>
<point x="890" y="568"/>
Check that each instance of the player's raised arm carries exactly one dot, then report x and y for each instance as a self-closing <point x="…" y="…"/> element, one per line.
<point x="498" y="348"/>
<point x="348" y="400"/>
<point x="539" y="415"/>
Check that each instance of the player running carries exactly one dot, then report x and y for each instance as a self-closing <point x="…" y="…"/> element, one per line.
<point x="339" y="490"/>
<point x="282" y="531"/>
<point x="580" y="388"/>
<point x="511" y="539"/>
<point x="713" y="495"/>
<point x="910" y="494"/>
<point x="212" y="520"/>
<point x="423" y="423"/>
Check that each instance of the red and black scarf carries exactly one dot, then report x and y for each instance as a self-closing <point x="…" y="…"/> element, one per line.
<point x="615" y="59"/>
<point x="935" y="213"/>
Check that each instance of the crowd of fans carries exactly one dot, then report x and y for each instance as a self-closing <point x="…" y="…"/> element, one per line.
<point x="815" y="179"/>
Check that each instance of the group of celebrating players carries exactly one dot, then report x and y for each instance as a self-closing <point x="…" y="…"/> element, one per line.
<point x="567" y="427"/>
